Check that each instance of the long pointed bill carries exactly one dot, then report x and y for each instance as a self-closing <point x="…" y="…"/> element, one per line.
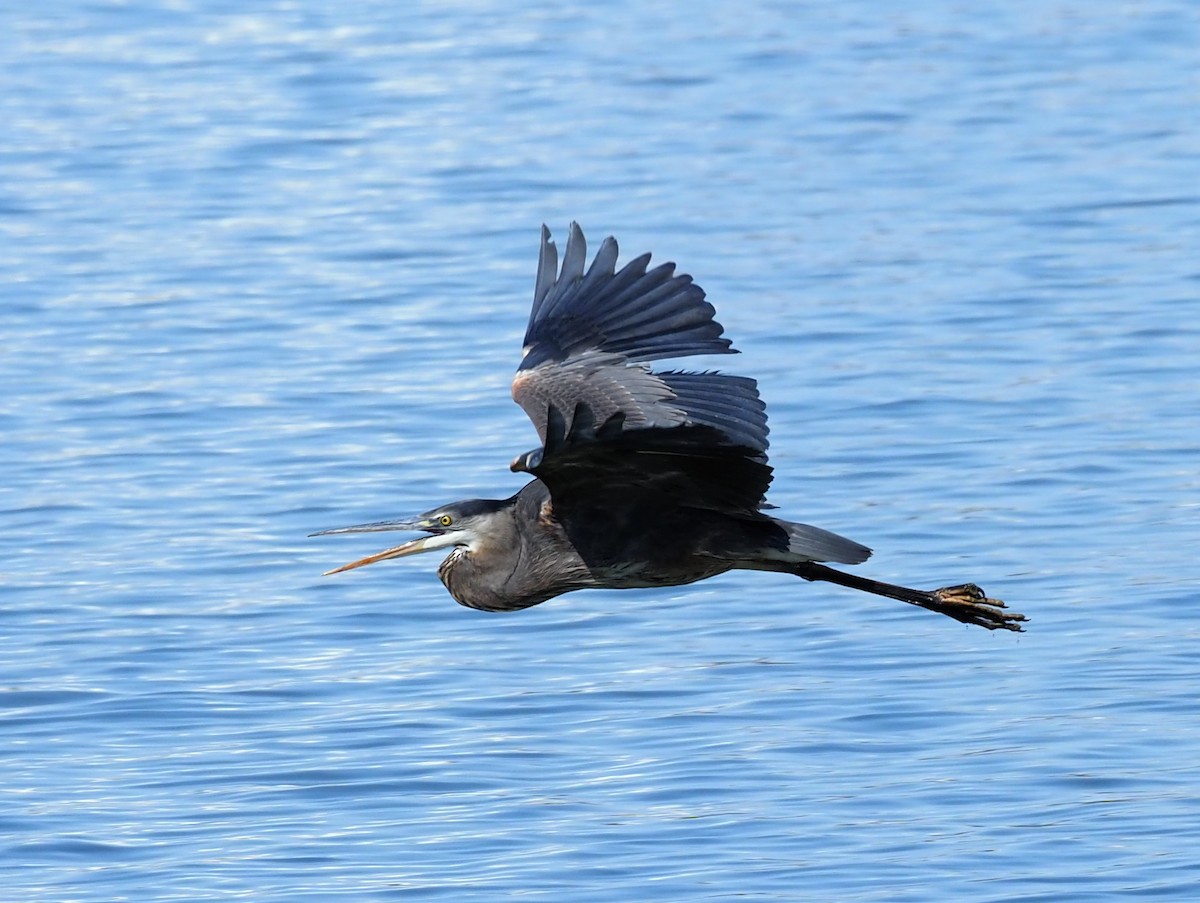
<point x="424" y="544"/>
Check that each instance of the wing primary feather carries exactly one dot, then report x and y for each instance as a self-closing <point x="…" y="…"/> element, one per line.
<point x="575" y="256"/>
<point x="547" y="270"/>
<point x="637" y="292"/>
<point x="566" y="288"/>
<point x="604" y="266"/>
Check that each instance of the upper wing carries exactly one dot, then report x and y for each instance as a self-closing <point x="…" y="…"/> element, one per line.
<point x="640" y="314"/>
<point x="604" y="418"/>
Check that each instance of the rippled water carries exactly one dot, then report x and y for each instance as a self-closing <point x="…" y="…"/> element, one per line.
<point x="266" y="271"/>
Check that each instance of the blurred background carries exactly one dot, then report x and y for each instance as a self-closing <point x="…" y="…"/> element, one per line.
<point x="265" y="269"/>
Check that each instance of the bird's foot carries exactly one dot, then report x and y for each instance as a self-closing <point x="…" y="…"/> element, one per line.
<point x="969" y="604"/>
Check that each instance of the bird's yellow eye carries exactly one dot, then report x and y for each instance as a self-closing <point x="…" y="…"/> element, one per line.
<point x="445" y="520"/>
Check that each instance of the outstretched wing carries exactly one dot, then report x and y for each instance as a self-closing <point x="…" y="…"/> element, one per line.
<point x="606" y="420"/>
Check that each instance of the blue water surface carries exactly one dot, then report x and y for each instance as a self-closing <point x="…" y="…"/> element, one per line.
<point x="265" y="269"/>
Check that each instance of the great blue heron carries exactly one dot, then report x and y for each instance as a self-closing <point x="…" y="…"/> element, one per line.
<point x="643" y="478"/>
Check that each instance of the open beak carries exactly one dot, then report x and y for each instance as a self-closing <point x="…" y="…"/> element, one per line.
<point x="438" y="540"/>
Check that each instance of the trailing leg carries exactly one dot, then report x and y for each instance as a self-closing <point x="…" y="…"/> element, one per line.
<point x="966" y="603"/>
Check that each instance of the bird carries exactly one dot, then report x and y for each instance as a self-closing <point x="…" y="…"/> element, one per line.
<point x="644" y="478"/>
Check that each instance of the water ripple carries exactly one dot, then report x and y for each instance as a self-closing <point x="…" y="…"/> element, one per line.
<point x="266" y="272"/>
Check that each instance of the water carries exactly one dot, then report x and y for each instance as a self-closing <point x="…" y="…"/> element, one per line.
<point x="266" y="270"/>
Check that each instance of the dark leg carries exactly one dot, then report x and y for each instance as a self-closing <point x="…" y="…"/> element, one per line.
<point x="966" y="603"/>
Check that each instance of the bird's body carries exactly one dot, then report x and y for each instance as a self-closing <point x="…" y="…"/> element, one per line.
<point x="589" y="546"/>
<point x="644" y="478"/>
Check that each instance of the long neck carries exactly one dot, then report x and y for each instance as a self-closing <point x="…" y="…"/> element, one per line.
<point x="475" y="584"/>
<point x="526" y="559"/>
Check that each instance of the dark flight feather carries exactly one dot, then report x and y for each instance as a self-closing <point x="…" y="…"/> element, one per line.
<point x="641" y="315"/>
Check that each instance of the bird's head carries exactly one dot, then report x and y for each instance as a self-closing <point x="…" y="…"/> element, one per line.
<point x="460" y="525"/>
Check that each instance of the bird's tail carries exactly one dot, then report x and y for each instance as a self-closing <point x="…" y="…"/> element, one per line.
<point x="815" y="544"/>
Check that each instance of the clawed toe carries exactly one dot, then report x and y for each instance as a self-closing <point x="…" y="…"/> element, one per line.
<point x="969" y="604"/>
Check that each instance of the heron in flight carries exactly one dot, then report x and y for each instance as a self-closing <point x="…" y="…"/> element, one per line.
<point x="643" y="478"/>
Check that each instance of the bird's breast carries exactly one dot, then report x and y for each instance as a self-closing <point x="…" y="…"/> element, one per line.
<point x="490" y="584"/>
